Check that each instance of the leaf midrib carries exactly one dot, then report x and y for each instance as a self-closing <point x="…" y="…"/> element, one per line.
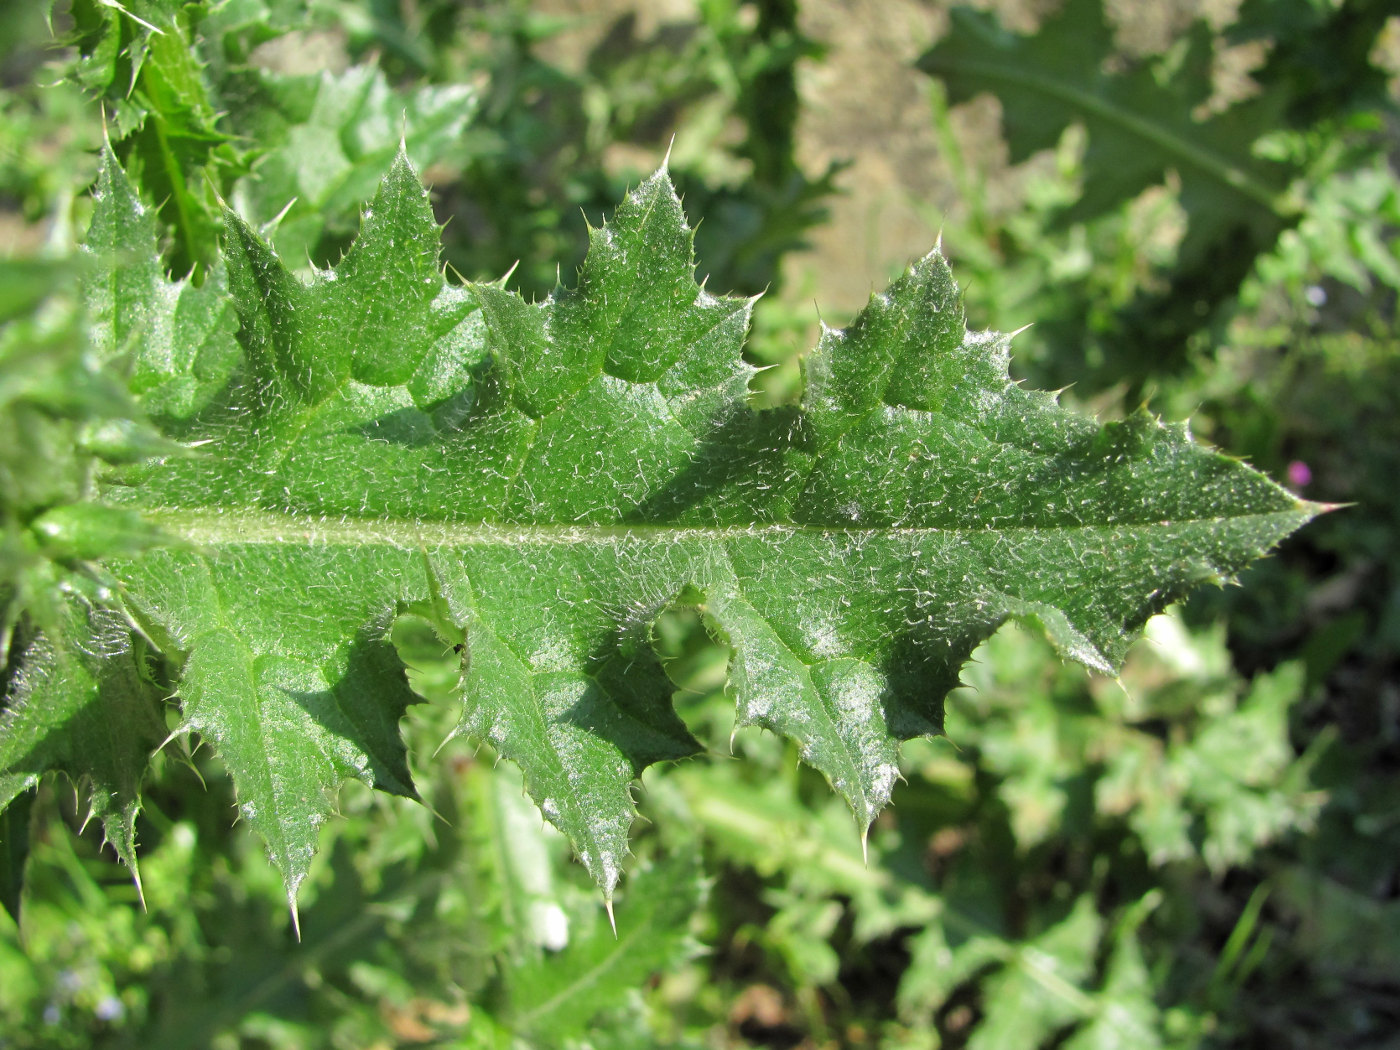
<point x="245" y="527"/>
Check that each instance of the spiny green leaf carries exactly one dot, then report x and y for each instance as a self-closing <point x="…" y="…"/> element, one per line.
<point x="324" y="142"/>
<point x="178" y="338"/>
<point x="80" y="703"/>
<point x="142" y="57"/>
<point x="542" y="481"/>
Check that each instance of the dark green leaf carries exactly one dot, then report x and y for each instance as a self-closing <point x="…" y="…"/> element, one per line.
<point x="14" y="843"/>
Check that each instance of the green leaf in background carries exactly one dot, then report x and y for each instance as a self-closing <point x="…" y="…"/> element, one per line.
<point x="542" y="481"/>
<point x="113" y="40"/>
<point x="516" y="843"/>
<point x="1141" y="125"/>
<point x="1324" y="56"/>
<point x="1222" y="792"/>
<point x="1148" y="124"/>
<point x="1032" y="987"/>
<point x="557" y="995"/>
<point x="1124" y="1012"/>
<point x="1201" y="767"/>
<point x="1029" y="988"/>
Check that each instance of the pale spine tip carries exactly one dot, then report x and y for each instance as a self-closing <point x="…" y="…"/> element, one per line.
<point x="140" y="890"/>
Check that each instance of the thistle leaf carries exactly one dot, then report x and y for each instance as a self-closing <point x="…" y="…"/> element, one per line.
<point x="541" y="481"/>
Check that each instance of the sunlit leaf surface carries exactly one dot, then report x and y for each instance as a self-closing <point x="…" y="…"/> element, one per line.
<point x="540" y="481"/>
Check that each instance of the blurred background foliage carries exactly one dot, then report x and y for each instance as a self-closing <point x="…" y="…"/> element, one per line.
<point x="1205" y="852"/>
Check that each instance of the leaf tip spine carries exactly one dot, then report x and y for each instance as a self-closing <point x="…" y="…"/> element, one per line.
<point x="1312" y="508"/>
<point x="117" y="6"/>
<point x="140" y="890"/>
<point x="270" y="227"/>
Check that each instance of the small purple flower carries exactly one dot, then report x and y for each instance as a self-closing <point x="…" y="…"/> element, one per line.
<point x="110" y="1008"/>
<point x="1299" y="474"/>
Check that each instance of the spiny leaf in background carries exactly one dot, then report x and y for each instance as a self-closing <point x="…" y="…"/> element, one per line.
<point x="142" y="59"/>
<point x="1142" y="129"/>
<point x="240" y="26"/>
<point x="538" y="483"/>
<point x="1033" y="987"/>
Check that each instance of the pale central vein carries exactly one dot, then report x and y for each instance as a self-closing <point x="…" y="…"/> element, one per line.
<point x="212" y="526"/>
